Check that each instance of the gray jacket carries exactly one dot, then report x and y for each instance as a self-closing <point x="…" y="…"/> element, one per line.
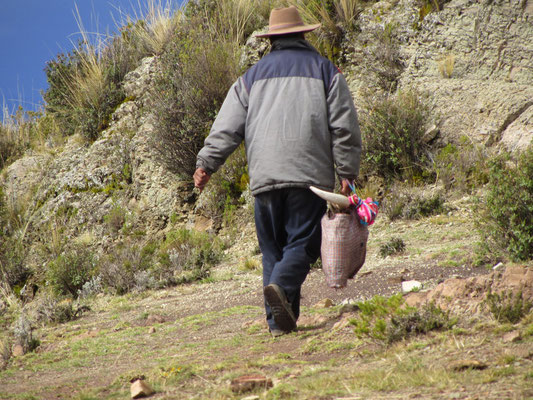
<point x="294" y="111"/>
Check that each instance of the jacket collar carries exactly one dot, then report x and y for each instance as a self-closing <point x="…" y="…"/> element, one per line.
<point x="292" y="43"/>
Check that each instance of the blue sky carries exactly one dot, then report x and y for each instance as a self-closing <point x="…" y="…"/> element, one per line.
<point x="33" y="32"/>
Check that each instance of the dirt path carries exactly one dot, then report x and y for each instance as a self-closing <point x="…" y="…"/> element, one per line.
<point x="190" y="341"/>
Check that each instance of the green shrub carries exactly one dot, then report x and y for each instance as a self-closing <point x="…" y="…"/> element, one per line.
<point x="394" y="246"/>
<point x="71" y="270"/>
<point x="393" y="129"/>
<point x="85" y="84"/>
<point x="507" y="307"/>
<point x="187" y="98"/>
<point x="336" y="16"/>
<point x="414" y="322"/>
<point x="506" y="215"/>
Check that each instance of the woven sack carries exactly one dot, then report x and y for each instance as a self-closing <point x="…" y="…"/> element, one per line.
<point x="343" y="249"/>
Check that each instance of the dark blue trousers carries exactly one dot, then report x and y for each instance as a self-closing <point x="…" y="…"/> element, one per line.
<point x="289" y="234"/>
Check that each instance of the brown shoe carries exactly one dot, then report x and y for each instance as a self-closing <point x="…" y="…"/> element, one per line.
<point x="281" y="309"/>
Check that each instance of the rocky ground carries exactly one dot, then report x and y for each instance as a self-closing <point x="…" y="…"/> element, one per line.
<point x="192" y="341"/>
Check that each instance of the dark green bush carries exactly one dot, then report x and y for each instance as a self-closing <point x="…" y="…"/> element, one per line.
<point x="195" y="73"/>
<point x="393" y="129"/>
<point x="71" y="270"/>
<point x="394" y="246"/>
<point x="12" y="268"/>
<point x="84" y="88"/>
<point x="506" y="215"/>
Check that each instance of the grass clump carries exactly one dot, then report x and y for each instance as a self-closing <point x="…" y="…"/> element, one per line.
<point x="394" y="246"/>
<point x="336" y="16"/>
<point x="85" y="84"/>
<point x="506" y="215"/>
<point x="389" y="320"/>
<point x="507" y="307"/>
<point x="393" y="129"/>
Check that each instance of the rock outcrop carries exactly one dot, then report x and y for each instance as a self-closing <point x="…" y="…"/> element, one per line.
<point x="472" y="57"/>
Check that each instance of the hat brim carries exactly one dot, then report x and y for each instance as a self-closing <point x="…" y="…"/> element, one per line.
<point x="295" y="29"/>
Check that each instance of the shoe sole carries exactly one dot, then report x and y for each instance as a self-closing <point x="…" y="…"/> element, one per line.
<point x="280" y="309"/>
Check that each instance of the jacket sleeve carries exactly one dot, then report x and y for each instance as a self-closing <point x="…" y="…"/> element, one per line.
<point x="227" y="131"/>
<point x="344" y="128"/>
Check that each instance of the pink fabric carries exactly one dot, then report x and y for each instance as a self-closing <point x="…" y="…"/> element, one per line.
<point x="367" y="210"/>
<point x="343" y="248"/>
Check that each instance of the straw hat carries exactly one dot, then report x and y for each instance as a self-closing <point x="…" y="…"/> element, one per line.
<point x="286" y="20"/>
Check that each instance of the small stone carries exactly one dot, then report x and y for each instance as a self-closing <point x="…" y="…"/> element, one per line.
<point x="497" y="266"/>
<point x="511" y="337"/>
<point x="151" y="330"/>
<point x="325" y="303"/>
<point x="139" y="388"/>
<point x="18" y="350"/>
<point x="154" y="319"/>
<point x="461" y="365"/>
<point x="411" y="286"/>
<point x="247" y="383"/>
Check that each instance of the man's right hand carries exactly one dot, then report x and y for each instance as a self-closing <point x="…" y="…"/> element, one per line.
<point x="201" y="177"/>
<point x="345" y="187"/>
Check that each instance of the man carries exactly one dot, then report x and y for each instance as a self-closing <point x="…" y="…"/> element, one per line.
<point x="294" y="111"/>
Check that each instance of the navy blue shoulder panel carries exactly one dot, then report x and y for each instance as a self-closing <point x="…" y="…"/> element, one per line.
<point x="291" y="63"/>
